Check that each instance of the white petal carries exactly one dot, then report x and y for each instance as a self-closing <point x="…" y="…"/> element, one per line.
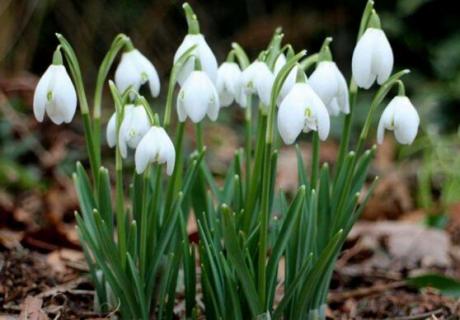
<point x="64" y="96"/>
<point x="207" y="58"/>
<point x="213" y="106"/>
<point x="264" y="79"/>
<point x="324" y="82"/>
<point x="145" y="151"/>
<point x="181" y="114"/>
<point x="343" y="99"/>
<point x="322" y="116"/>
<point x="406" y="121"/>
<point x="361" y="63"/>
<point x="280" y="62"/>
<point x="197" y="94"/>
<point x="288" y="83"/>
<point x="291" y="114"/>
<point x="386" y="120"/>
<point x="167" y="153"/>
<point x="41" y="92"/>
<point x="149" y="69"/>
<point x="111" y="133"/>
<point x="383" y="57"/>
<point x="127" y="73"/>
<point x="228" y="83"/>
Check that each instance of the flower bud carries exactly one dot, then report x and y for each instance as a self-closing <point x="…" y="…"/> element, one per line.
<point x="228" y="83"/>
<point x="372" y="58"/>
<point x="56" y="95"/>
<point x="204" y="54"/>
<point x="198" y="97"/>
<point x="155" y="146"/>
<point x="330" y="85"/>
<point x="134" y="70"/>
<point x="401" y="117"/>
<point x="302" y="110"/>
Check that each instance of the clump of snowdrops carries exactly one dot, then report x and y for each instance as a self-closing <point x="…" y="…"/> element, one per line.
<point x="135" y="237"/>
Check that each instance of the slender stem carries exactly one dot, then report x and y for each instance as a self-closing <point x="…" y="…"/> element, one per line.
<point x="248" y="140"/>
<point x="119" y="205"/>
<point x="144" y="224"/>
<point x="346" y="130"/>
<point x="173" y="187"/>
<point x="199" y="137"/>
<point x="315" y="160"/>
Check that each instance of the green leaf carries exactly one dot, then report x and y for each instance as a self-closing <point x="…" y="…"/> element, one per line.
<point x="446" y="285"/>
<point x="104" y="198"/>
<point x="236" y="257"/>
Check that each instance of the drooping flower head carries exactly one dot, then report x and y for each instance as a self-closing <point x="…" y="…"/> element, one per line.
<point x="302" y="110"/>
<point x="155" y="146"/>
<point x="257" y="79"/>
<point x="202" y="50"/>
<point x="134" y="70"/>
<point x="197" y="98"/>
<point x="290" y="80"/>
<point x="329" y="83"/>
<point x="55" y="94"/>
<point x="402" y="118"/>
<point x="133" y="127"/>
<point x="228" y="83"/>
<point x="372" y="57"/>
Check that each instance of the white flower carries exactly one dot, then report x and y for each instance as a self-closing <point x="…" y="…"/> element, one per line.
<point x="202" y="51"/>
<point x="134" y="70"/>
<point x="56" y="95"/>
<point x="372" y="58"/>
<point x="302" y="110"/>
<point x="290" y="80"/>
<point x="228" y="83"/>
<point x="257" y="79"/>
<point x="198" y="97"/>
<point x="330" y="85"/>
<point x="133" y="127"/>
<point x="155" y="146"/>
<point x="401" y="117"/>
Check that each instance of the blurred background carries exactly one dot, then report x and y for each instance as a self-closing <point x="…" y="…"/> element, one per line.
<point x="36" y="160"/>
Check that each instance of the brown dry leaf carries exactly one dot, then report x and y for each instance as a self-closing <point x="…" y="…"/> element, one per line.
<point x="409" y="244"/>
<point x="10" y="239"/>
<point x="31" y="309"/>
<point x="391" y="198"/>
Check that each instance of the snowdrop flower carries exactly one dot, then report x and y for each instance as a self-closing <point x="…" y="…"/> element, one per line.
<point x="330" y="85"/>
<point x="56" y="95"/>
<point x="202" y="51"/>
<point x="372" y="58"/>
<point x="302" y="110"/>
<point x="204" y="54"/>
<point x="257" y="79"/>
<point x="228" y="83"/>
<point x="134" y="70"/>
<point x="401" y="117"/>
<point x="198" y="97"/>
<point x="155" y="146"/>
<point x="133" y="127"/>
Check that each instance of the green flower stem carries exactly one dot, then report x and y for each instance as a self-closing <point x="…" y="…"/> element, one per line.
<point x="248" y="140"/>
<point x="144" y="224"/>
<point x="78" y="81"/>
<point x="118" y="43"/>
<point x="241" y="55"/>
<point x="172" y="83"/>
<point x="346" y="130"/>
<point x="119" y="195"/>
<point x="199" y="136"/>
<point x="309" y="62"/>
<point x="266" y="174"/>
<point x="57" y="56"/>
<point x="173" y="187"/>
<point x="315" y="160"/>
<point x="365" y="17"/>
<point x="192" y="21"/>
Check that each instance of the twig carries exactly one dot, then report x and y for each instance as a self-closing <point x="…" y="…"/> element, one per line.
<point x="425" y="315"/>
<point x="362" y="292"/>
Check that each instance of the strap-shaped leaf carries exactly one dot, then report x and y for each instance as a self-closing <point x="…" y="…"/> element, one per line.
<point x="236" y="257"/>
